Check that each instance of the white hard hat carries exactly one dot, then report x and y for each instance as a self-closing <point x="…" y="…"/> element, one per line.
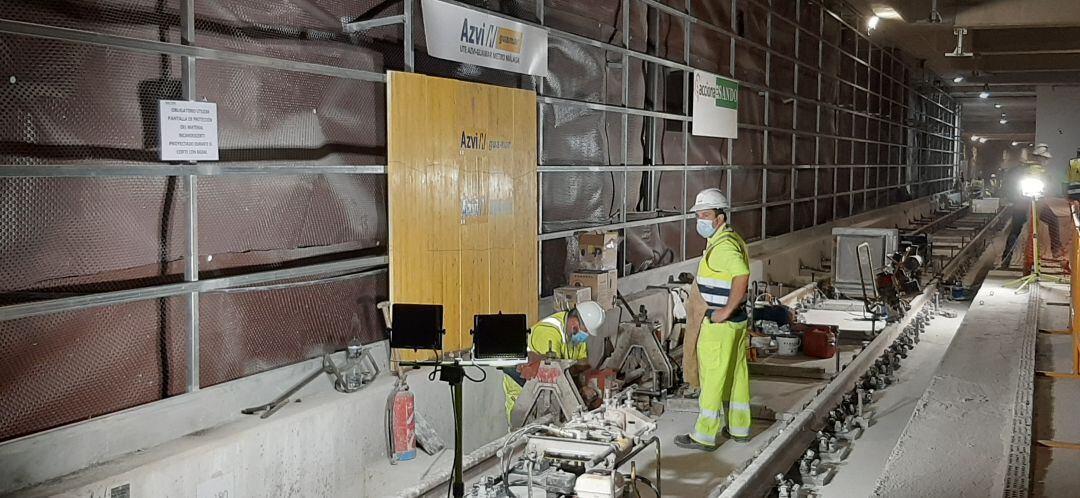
<point x="591" y="315"/>
<point x="1042" y="150"/>
<point x="710" y="198"/>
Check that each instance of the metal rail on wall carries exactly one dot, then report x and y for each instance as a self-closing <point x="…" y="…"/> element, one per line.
<point x="922" y="160"/>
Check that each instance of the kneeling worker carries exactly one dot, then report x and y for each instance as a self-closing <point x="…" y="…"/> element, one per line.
<point x="722" y="279"/>
<point x="564" y="335"/>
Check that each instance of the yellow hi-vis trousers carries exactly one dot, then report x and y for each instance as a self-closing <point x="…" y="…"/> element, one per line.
<point x="512" y="391"/>
<point x="725" y="380"/>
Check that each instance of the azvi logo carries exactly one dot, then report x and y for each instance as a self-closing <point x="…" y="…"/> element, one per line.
<point x="473" y="36"/>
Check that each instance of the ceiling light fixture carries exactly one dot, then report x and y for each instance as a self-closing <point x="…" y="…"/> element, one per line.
<point x="997" y="106"/>
<point x="872" y="23"/>
<point x="985" y="94"/>
<point x="958" y="79"/>
<point x="1014" y="144"/>
<point x="983" y="140"/>
<point x="1003" y="121"/>
<point x="974" y="138"/>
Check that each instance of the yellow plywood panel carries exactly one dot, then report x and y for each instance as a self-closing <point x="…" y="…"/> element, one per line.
<point x="461" y="175"/>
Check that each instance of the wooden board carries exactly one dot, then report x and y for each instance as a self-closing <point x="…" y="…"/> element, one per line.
<point x="461" y="174"/>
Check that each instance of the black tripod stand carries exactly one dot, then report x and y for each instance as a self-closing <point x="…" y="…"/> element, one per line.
<point x="453" y="373"/>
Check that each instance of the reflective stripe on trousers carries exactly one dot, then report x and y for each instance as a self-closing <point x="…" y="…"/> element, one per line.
<point x="725" y="380"/>
<point x="512" y="391"/>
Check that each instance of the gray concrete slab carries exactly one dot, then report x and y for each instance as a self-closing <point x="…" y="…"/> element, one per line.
<point x="1053" y="353"/>
<point x="892" y="409"/>
<point x="965" y="418"/>
<point x="1055" y="472"/>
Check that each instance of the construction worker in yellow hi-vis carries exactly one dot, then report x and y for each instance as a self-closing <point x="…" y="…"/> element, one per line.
<point x="1074" y="178"/>
<point x="722" y="280"/>
<point x="563" y="336"/>
<point x="1074" y="188"/>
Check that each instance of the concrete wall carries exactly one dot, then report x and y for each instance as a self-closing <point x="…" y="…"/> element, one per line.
<point x="329" y="444"/>
<point x="1057" y="124"/>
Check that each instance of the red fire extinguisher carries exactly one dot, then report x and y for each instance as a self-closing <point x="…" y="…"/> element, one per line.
<point x="403" y="428"/>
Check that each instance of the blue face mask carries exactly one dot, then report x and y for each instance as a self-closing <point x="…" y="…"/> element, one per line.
<point x="579" y="338"/>
<point x="705" y="228"/>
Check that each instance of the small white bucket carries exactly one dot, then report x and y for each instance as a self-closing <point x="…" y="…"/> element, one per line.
<point x="789" y="345"/>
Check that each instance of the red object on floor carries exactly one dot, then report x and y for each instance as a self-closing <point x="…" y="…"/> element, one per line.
<point x="404" y="426"/>
<point x="819" y="342"/>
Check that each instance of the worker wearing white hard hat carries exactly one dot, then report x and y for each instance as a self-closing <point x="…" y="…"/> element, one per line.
<point x="564" y="336"/>
<point x="722" y="342"/>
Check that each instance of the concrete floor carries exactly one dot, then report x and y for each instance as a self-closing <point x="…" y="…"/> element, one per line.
<point x="893" y="407"/>
<point x="965" y="419"/>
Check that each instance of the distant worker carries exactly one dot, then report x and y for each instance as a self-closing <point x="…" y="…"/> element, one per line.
<point x="722" y="343"/>
<point x="1035" y="166"/>
<point x="563" y="335"/>
<point x="1074" y="188"/>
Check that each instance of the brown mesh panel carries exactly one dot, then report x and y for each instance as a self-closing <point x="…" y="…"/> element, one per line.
<point x="72" y="103"/>
<point x="247" y="221"/>
<point x="250" y="331"/>
<point x="149" y="20"/>
<point x="71" y="366"/>
<point x="64" y="235"/>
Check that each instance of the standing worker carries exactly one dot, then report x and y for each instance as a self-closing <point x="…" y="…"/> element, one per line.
<point x="1034" y="166"/>
<point x="722" y="343"/>
<point x="564" y="336"/>
<point x="1074" y="188"/>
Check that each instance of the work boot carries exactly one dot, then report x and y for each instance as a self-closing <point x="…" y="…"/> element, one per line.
<point x="685" y="441"/>
<point x="737" y="439"/>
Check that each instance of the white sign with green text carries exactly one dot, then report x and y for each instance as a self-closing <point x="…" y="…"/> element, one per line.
<point x="716" y="106"/>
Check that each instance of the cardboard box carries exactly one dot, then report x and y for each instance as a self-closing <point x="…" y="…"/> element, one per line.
<point x="568" y="297"/>
<point x="602" y="284"/>
<point x="598" y="251"/>
<point x="987" y="205"/>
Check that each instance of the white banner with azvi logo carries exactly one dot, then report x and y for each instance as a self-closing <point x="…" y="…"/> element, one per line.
<point x="465" y="35"/>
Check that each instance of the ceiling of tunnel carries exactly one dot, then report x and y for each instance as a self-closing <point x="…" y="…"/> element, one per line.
<point x="1016" y="45"/>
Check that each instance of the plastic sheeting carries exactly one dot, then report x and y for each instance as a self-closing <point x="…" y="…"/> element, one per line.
<point x="66" y="103"/>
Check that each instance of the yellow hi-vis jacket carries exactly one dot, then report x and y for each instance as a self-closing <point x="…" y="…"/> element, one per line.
<point x="1074" y="179"/>
<point x="549" y="334"/>
<point x="725" y="258"/>
<point x="732" y="257"/>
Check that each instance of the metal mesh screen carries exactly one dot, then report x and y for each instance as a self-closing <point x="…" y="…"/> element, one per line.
<point x="144" y="19"/>
<point x="276" y="117"/>
<point x="254" y="221"/>
<point x="246" y="331"/>
<point x="60" y="236"/>
<point x="72" y="366"/>
<point x="309" y="31"/>
<point x="69" y="103"/>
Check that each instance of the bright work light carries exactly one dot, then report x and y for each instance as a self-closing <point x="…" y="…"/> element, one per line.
<point x="1032" y="187"/>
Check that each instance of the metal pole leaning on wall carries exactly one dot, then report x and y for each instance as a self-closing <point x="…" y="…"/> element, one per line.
<point x="191" y="249"/>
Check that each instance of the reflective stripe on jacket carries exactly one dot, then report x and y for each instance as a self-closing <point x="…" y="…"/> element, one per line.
<point x="715" y="283"/>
